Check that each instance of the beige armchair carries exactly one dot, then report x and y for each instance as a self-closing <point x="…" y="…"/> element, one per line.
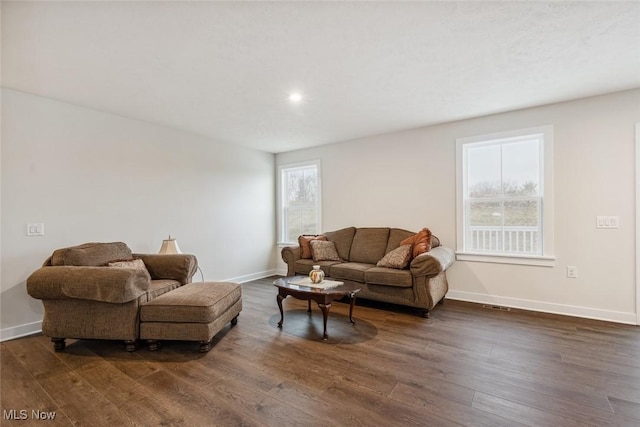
<point x="85" y="298"/>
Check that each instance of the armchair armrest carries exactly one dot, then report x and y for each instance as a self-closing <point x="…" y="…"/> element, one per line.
<point x="180" y="267"/>
<point x="105" y="284"/>
<point x="290" y="254"/>
<point x="433" y="262"/>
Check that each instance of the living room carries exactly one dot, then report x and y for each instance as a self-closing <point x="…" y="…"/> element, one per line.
<point x="91" y="174"/>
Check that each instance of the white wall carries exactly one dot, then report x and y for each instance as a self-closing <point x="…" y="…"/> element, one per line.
<point x="407" y="179"/>
<point x="91" y="176"/>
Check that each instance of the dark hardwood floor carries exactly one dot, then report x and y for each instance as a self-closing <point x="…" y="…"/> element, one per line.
<point x="466" y="365"/>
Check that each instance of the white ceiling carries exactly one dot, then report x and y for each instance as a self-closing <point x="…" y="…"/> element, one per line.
<point x="225" y="69"/>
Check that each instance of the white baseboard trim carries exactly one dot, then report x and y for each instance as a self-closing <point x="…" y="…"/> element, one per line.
<point x="13" y="332"/>
<point x="545" y="307"/>
<point x="253" y="276"/>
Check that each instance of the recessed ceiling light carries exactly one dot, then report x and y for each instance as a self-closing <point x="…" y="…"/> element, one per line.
<point x="295" y="97"/>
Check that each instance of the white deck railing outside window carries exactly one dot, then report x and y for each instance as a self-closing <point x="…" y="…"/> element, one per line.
<point x="518" y="240"/>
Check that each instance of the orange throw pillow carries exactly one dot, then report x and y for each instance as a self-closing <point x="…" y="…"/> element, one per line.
<point x="421" y="242"/>
<point x="305" y="248"/>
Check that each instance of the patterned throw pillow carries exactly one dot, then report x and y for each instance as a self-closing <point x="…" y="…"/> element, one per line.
<point x="397" y="258"/>
<point x="305" y="248"/>
<point x="421" y="242"/>
<point x="324" y="251"/>
<point x="135" y="264"/>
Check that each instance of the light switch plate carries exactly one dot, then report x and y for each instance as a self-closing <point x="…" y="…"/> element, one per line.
<point x="35" y="229"/>
<point x="607" y="222"/>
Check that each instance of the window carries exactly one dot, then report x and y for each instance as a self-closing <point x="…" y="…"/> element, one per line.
<point x="298" y="200"/>
<point x="504" y="197"/>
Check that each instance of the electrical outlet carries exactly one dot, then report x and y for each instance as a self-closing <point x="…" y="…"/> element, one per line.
<point x="572" y="272"/>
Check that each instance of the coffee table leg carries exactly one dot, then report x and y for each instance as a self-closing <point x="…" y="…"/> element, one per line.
<point x="352" y="302"/>
<point x="280" y="298"/>
<point x="325" y="314"/>
<point x="309" y="308"/>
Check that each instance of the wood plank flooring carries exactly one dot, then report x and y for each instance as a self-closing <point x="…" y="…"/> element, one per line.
<point x="466" y="365"/>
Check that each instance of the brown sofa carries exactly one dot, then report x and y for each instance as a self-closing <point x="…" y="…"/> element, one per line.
<point x="84" y="298"/>
<point x="422" y="285"/>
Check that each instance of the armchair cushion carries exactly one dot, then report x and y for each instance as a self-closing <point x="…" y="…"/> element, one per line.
<point x="136" y="264"/>
<point x="180" y="267"/>
<point x="91" y="254"/>
<point x="105" y="284"/>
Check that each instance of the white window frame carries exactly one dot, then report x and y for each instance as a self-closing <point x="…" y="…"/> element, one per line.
<point x="281" y="217"/>
<point x="547" y="259"/>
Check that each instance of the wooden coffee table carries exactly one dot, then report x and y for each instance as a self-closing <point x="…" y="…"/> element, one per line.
<point x="324" y="297"/>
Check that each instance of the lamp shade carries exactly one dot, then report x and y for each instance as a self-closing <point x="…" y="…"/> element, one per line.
<point x="170" y="246"/>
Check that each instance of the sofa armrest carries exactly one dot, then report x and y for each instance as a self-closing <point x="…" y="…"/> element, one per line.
<point x="433" y="262"/>
<point x="105" y="284"/>
<point x="180" y="267"/>
<point x="290" y="254"/>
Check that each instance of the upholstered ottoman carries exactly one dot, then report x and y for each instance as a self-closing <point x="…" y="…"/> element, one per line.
<point x="193" y="312"/>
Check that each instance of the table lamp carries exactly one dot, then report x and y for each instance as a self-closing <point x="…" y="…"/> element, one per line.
<point x="170" y="246"/>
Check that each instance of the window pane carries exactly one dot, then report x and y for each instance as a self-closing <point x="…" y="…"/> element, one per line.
<point x="301" y="187"/>
<point x="484" y="229"/>
<point x="522" y="226"/>
<point x="520" y="168"/>
<point x="483" y="171"/>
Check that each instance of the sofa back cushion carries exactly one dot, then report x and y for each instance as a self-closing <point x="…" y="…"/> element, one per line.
<point x="91" y="254"/>
<point x="396" y="235"/>
<point x="369" y="245"/>
<point x="343" y="240"/>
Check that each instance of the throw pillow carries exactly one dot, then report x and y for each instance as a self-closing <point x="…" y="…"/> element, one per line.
<point x="135" y="264"/>
<point x="304" y="240"/>
<point x="397" y="258"/>
<point x="324" y="251"/>
<point x="421" y="242"/>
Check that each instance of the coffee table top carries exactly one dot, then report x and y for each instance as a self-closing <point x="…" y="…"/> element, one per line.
<point x="344" y="289"/>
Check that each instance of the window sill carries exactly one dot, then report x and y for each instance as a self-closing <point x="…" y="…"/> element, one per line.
<point x="539" y="261"/>
<point x="284" y="244"/>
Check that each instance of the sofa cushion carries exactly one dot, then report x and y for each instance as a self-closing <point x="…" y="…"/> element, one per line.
<point x="396" y="235"/>
<point x="397" y="258"/>
<point x="91" y="254"/>
<point x="369" y="245"/>
<point x="304" y="266"/>
<point x="324" y="251"/>
<point x="388" y="277"/>
<point x="350" y="271"/>
<point x="343" y="239"/>
<point x="305" y="248"/>
<point x="421" y="242"/>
